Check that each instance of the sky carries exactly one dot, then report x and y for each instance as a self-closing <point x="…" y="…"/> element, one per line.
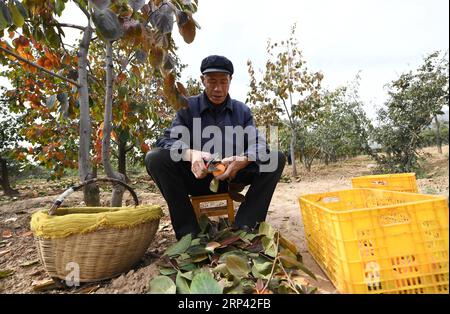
<point x="378" y="38"/>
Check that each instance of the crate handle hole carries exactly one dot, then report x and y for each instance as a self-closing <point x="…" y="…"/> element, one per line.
<point x="379" y="183"/>
<point x="331" y="199"/>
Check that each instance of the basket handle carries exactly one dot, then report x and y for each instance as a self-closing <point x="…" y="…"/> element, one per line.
<point x="60" y="199"/>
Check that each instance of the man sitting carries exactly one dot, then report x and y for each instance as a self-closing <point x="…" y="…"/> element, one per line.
<point x="214" y="124"/>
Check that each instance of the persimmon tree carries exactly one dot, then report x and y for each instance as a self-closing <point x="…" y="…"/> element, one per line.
<point x="144" y="27"/>
<point x="140" y="112"/>
<point x="193" y="87"/>
<point x="336" y="132"/>
<point x="47" y="105"/>
<point x="415" y="99"/>
<point x="9" y="148"/>
<point x="287" y="88"/>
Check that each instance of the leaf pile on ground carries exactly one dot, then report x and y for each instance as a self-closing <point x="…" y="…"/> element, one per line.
<point x="222" y="260"/>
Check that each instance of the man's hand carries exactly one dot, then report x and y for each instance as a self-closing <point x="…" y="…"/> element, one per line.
<point x="233" y="164"/>
<point x="197" y="158"/>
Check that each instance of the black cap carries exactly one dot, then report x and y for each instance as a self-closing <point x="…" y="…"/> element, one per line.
<point x="216" y="64"/>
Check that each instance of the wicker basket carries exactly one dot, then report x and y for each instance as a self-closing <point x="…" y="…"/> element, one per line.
<point x="97" y="243"/>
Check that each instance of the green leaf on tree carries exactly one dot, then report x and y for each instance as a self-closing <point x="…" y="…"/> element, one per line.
<point x="5" y="16"/>
<point x="123" y="90"/>
<point x="17" y="17"/>
<point x="59" y="7"/>
<point x="52" y="37"/>
<point x="50" y="102"/>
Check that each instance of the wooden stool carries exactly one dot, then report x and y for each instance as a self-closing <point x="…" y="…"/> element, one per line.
<point x="216" y="210"/>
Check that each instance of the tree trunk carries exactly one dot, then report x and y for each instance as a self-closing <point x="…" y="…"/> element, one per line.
<point x="123" y="150"/>
<point x="91" y="191"/>
<point x="438" y="134"/>
<point x="4" y="179"/>
<point x="122" y="147"/>
<point x="308" y="164"/>
<point x="293" y="140"/>
<point x="118" y="190"/>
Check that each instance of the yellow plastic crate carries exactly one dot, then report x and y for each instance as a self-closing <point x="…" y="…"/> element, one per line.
<point x="401" y="182"/>
<point x="378" y="241"/>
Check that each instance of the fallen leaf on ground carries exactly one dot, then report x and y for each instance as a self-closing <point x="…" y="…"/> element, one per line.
<point x="27" y="234"/>
<point x="42" y="285"/>
<point x="6" y="273"/>
<point x="29" y="263"/>
<point x="37" y="272"/>
<point x="88" y="290"/>
<point x="4" y="252"/>
<point x="7" y="234"/>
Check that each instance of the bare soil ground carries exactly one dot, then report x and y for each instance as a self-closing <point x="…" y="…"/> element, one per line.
<point x="18" y="254"/>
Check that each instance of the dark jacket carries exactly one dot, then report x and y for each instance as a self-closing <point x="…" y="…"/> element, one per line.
<point x="212" y="132"/>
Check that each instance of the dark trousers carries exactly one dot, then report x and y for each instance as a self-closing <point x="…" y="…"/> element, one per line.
<point x="176" y="182"/>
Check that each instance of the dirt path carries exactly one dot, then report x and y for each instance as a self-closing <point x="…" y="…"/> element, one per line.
<point x="18" y="253"/>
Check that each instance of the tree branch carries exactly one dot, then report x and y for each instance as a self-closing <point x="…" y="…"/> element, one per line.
<point x="38" y="66"/>
<point x="71" y="26"/>
<point x="127" y="149"/>
<point x="61" y="40"/>
<point x="83" y="9"/>
<point x="91" y="75"/>
<point x="287" y="112"/>
<point x="288" y="277"/>
<point x="273" y="265"/>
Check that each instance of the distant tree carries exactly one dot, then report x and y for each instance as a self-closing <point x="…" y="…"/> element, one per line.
<point x="286" y="89"/>
<point x="338" y="131"/>
<point x="435" y="70"/>
<point x="194" y="86"/>
<point x="415" y="98"/>
<point x="428" y="135"/>
<point x="9" y="148"/>
<point x="142" y="27"/>
<point x="335" y="133"/>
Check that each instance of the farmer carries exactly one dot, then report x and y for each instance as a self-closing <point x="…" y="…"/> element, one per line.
<point x="214" y="125"/>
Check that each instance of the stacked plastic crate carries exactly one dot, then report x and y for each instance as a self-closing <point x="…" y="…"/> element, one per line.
<point x="380" y="237"/>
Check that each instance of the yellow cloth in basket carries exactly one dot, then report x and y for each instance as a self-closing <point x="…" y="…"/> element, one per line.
<point x="78" y="220"/>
